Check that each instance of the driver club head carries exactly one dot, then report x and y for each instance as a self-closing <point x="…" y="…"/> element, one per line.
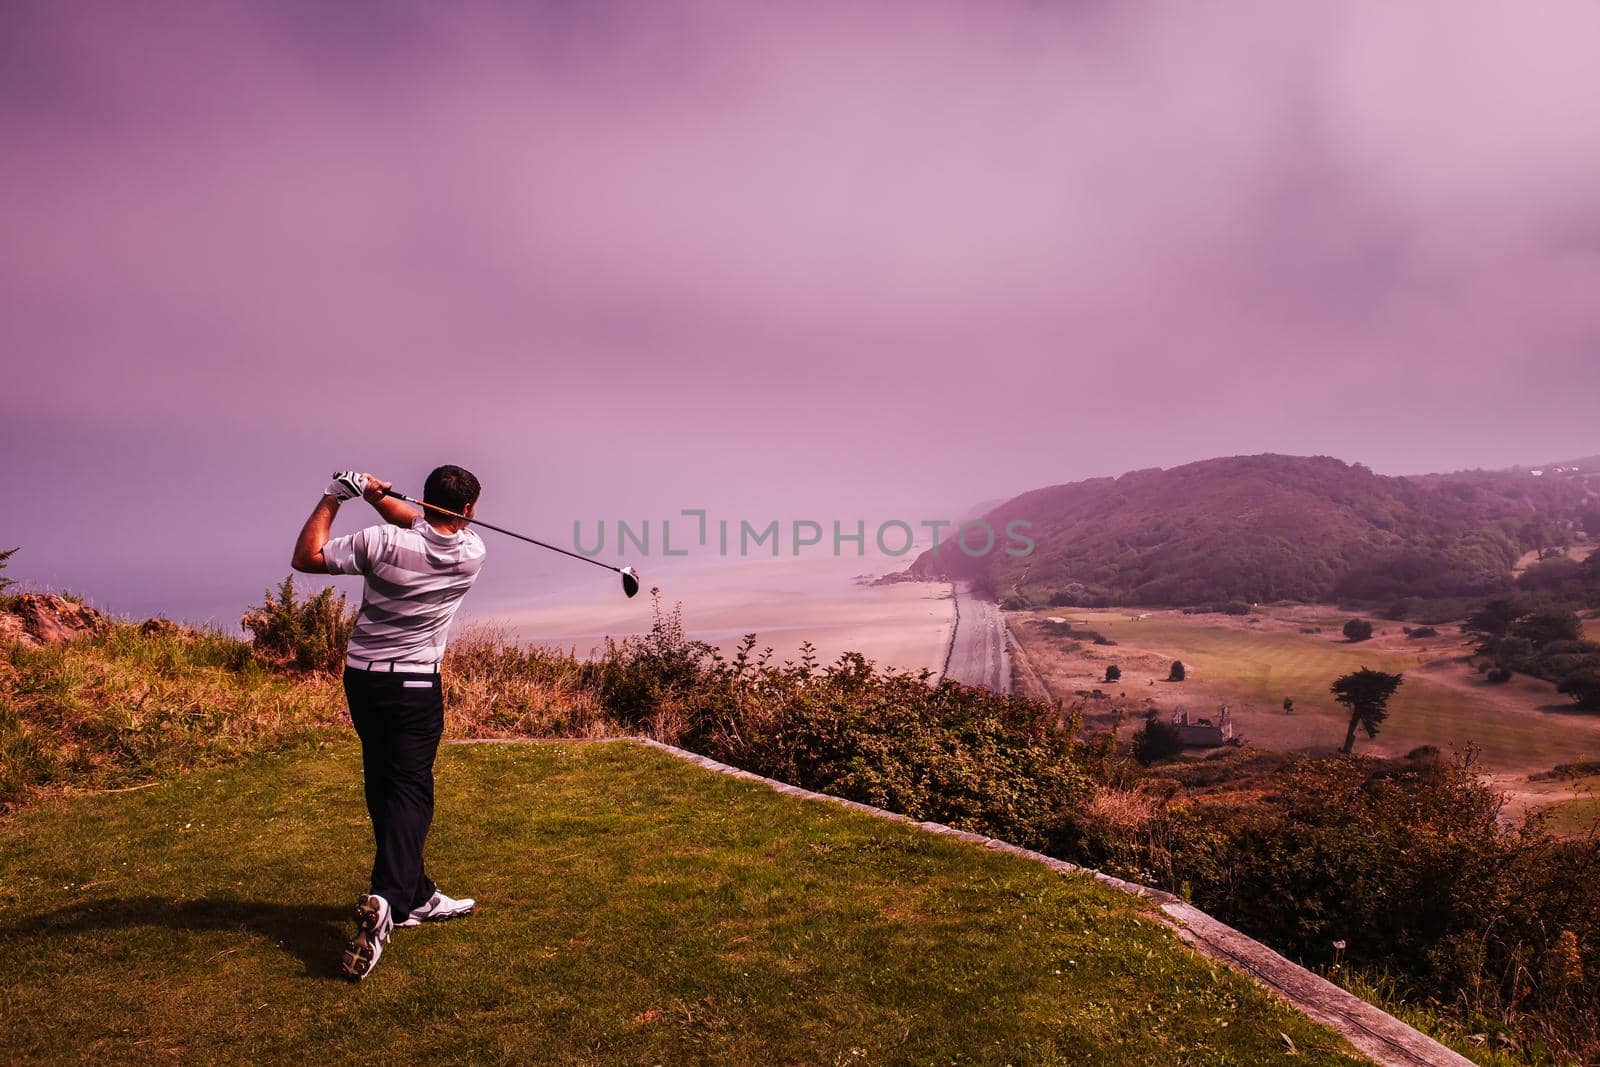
<point x="630" y="580"/>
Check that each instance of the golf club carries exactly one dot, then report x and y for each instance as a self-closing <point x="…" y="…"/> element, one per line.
<point x="630" y="577"/>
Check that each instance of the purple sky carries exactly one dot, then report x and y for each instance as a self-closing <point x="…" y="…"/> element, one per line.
<point x="769" y="259"/>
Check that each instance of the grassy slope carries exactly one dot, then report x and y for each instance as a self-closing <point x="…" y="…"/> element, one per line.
<point x="122" y="709"/>
<point x="634" y="909"/>
<point x="1260" y="668"/>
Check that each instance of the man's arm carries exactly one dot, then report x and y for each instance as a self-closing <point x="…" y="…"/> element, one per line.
<point x="394" y="512"/>
<point x="313" y="535"/>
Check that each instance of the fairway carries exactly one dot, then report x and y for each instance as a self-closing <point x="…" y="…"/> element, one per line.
<point x="1523" y="725"/>
<point x="633" y="909"/>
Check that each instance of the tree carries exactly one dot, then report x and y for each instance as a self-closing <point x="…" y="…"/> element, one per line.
<point x="1113" y="673"/>
<point x="1177" y="673"/>
<point x="1366" y="693"/>
<point x="1358" y="630"/>
<point x="6" y="554"/>
<point x="1584" y="689"/>
<point x="1072" y="595"/>
<point x="1547" y="625"/>
<point x="1495" y="617"/>
<point x="1156" y="740"/>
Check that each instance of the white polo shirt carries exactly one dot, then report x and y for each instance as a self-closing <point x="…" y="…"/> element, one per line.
<point x="415" y="579"/>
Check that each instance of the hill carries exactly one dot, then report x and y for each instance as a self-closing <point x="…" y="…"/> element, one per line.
<point x="1273" y="527"/>
<point x="149" y="708"/>
<point x="633" y="909"/>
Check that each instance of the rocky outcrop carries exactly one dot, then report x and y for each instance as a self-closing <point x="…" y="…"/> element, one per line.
<point x="12" y="631"/>
<point x="48" y="619"/>
<point x="160" y="628"/>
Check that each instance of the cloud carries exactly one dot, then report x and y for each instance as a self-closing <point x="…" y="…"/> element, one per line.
<point x="811" y="250"/>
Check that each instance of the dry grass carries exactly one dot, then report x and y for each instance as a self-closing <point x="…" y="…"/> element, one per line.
<point x="494" y="688"/>
<point x="127" y="708"/>
<point x="1124" y="810"/>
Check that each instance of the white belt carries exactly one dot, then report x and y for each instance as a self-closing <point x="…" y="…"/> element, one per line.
<point x="393" y="666"/>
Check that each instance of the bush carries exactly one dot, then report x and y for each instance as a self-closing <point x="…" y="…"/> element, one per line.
<point x="1548" y="625"/>
<point x="6" y="554"/>
<point x="1421" y="632"/>
<point x="1358" y="630"/>
<point x="1584" y="689"/>
<point x="1402" y="608"/>
<point x="1156" y="740"/>
<point x="309" y="634"/>
<point x="1413" y="868"/>
<point x="1177" y="673"/>
<point x="1113" y="673"/>
<point x="955" y="754"/>
<point x="1497" y="675"/>
<point x="636" y="676"/>
<point x="1231" y="607"/>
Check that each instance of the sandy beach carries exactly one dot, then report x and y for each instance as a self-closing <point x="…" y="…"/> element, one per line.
<point x="785" y="601"/>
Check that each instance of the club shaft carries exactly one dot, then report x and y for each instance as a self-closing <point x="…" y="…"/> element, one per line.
<point x="501" y="529"/>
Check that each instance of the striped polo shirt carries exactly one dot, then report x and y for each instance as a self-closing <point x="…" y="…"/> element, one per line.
<point x="415" y="579"/>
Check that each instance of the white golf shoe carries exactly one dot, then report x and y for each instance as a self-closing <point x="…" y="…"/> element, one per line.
<point x="438" y="909"/>
<point x="372" y="930"/>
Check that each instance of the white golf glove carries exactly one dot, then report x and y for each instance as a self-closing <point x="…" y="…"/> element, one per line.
<point x="346" y="485"/>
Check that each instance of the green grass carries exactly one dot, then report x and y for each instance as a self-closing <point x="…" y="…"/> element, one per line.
<point x="1580" y="815"/>
<point x="1261" y="667"/>
<point x="633" y="908"/>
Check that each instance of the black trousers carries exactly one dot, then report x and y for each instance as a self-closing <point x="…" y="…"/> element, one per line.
<point x="399" y="718"/>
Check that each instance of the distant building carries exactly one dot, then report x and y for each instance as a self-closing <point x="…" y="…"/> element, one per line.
<point x="1203" y="733"/>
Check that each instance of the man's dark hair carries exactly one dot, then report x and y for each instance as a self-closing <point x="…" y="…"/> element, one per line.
<point x="451" y="487"/>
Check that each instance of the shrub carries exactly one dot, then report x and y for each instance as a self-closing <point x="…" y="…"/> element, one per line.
<point x="1411" y="866"/>
<point x="1113" y="673"/>
<point x="309" y="634"/>
<point x="634" y="677"/>
<point x="1421" y="632"/>
<point x="1401" y="608"/>
<point x="1230" y="607"/>
<point x="1358" y="630"/>
<point x="955" y="754"/>
<point x="1547" y="625"/>
<point x="1156" y="740"/>
<point x="1177" y="673"/>
<point x="1497" y="675"/>
<point x="6" y="554"/>
<point x="1584" y="689"/>
<point x="1072" y="596"/>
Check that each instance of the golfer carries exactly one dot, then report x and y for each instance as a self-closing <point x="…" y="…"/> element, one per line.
<point x="417" y="567"/>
